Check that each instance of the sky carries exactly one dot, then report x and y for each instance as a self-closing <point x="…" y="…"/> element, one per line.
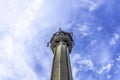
<point x="27" y="25"/>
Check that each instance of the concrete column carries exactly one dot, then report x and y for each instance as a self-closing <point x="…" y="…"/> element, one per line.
<point x="61" y="69"/>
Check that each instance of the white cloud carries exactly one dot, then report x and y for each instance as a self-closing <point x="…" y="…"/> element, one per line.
<point x="101" y="62"/>
<point x="89" y="4"/>
<point x="108" y="76"/>
<point x="83" y="29"/>
<point x="84" y="64"/>
<point x="105" y="68"/>
<point x="118" y="59"/>
<point x="114" y="39"/>
<point x="74" y="59"/>
<point x="15" y="18"/>
<point x="23" y="43"/>
<point x="93" y="42"/>
<point x="99" y="28"/>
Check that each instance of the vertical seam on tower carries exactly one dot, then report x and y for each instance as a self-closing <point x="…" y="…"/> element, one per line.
<point x="70" y="69"/>
<point x="60" y="62"/>
<point x="67" y="64"/>
<point x="53" y="64"/>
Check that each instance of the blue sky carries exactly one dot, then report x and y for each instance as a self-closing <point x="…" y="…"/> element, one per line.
<point x="27" y="25"/>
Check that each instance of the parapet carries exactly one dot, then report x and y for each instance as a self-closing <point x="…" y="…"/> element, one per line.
<point x="64" y="37"/>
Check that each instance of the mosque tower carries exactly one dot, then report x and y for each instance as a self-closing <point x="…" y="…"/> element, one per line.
<point x="61" y="44"/>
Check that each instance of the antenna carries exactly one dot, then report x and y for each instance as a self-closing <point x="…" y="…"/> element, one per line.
<point x="48" y="44"/>
<point x="60" y="29"/>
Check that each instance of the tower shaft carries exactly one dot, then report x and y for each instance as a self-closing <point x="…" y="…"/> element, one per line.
<point x="61" y="69"/>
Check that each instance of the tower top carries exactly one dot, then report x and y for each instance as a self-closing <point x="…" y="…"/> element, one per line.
<point x="62" y="36"/>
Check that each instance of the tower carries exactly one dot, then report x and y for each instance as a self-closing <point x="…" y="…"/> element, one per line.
<point x="61" y="45"/>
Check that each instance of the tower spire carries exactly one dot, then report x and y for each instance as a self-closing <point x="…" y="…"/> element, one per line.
<point x="61" y="45"/>
<point x="59" y="29"/>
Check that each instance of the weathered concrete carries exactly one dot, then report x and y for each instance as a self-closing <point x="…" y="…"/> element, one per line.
<point x="61" y="45"/>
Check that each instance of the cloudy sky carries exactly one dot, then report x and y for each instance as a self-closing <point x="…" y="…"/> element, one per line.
<point x="27" y="25"/>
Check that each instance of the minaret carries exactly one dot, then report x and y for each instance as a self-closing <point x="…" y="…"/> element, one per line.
<point x="61" y="45"/>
